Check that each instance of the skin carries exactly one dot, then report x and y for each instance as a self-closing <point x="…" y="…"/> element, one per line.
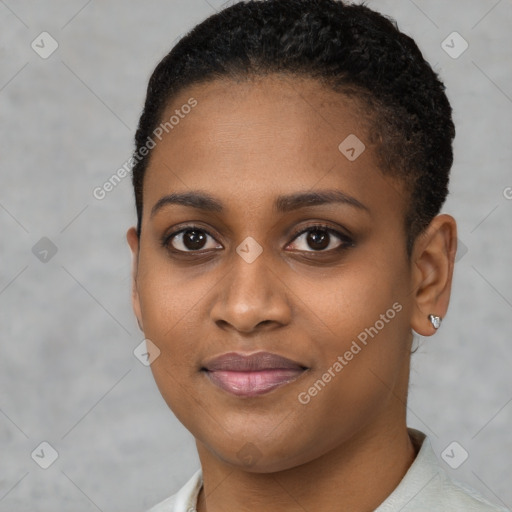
<point x="246" y="143"/>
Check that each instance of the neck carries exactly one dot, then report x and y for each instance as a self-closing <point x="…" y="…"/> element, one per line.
<point x="365" y="470"/>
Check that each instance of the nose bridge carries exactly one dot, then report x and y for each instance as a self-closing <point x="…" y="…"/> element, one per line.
<point x="251" y="294"/>
<point x="250" y="276"/>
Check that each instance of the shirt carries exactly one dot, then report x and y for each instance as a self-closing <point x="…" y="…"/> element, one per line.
<point x="426" y="487"/>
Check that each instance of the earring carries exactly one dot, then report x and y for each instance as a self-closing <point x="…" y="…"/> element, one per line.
<point x="435" y="320"/>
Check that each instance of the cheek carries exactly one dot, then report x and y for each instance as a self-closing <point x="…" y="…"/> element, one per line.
<point x="165" y="305"/>
<point x="167" y="314"/>
<point x="367" y="344"/>
<point x="368" y="296"/>
<point x="168" y="296"/>
<point x="362" y="370"/>
<point x="171" y="302"/>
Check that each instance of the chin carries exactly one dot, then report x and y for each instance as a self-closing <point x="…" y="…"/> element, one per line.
<point x="250" y="459"/>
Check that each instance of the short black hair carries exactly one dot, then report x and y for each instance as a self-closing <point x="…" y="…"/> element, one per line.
<point x="349" y="48"/>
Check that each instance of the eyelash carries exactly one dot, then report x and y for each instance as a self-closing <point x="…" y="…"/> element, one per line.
<point x="346" y="241"/>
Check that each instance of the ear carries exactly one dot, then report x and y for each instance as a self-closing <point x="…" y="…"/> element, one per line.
<point x="433" y="261"/>
<point x="133" y="242"/>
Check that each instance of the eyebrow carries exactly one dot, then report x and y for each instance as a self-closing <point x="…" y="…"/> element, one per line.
<point x="282" y="204"/>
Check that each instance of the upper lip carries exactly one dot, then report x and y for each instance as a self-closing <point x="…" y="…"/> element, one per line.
<point x="233" y="361"/>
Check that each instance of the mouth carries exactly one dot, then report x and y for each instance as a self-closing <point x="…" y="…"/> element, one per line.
<point x="251" y="375"/>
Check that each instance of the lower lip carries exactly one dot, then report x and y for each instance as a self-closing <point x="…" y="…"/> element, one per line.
<point x="252" y="383"/>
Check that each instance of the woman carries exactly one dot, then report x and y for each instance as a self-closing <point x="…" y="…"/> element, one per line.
<point x="291" y="162"/>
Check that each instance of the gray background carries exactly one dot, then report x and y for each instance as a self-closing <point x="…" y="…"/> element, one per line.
<point x="68" y="375"/>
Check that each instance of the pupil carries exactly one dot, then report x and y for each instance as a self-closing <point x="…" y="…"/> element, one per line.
<point x="193" y="239"/>
<point x="318" y="238"/>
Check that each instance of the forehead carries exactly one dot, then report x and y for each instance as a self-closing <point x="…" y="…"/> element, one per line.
<point x="266" y="136"/>
<point x="266" y="112"/>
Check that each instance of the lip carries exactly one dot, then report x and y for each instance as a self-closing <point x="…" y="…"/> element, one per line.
<point x="251" y="374"/>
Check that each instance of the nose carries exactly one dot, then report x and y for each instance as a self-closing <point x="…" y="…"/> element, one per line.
<point x="253" y="296"/>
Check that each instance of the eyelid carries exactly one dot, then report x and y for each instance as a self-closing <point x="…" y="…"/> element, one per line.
<point x="166" y="239"/>
<point x="323" y="227"/>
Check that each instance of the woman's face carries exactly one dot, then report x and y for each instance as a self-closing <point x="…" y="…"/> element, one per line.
<point x="247" y="277"/>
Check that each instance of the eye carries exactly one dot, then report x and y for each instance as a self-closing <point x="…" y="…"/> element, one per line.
<point x="319" y="237"/>
<point x="194" y="239"/>
<point x="189" y="239"/>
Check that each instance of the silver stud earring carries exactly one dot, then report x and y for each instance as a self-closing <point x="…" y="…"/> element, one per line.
<point x="435" y="320"/>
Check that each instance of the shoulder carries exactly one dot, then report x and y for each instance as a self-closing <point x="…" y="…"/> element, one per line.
<point x="459" y="496"/>
<point x="439" y="494"/>
<point x="427" y="487"/>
